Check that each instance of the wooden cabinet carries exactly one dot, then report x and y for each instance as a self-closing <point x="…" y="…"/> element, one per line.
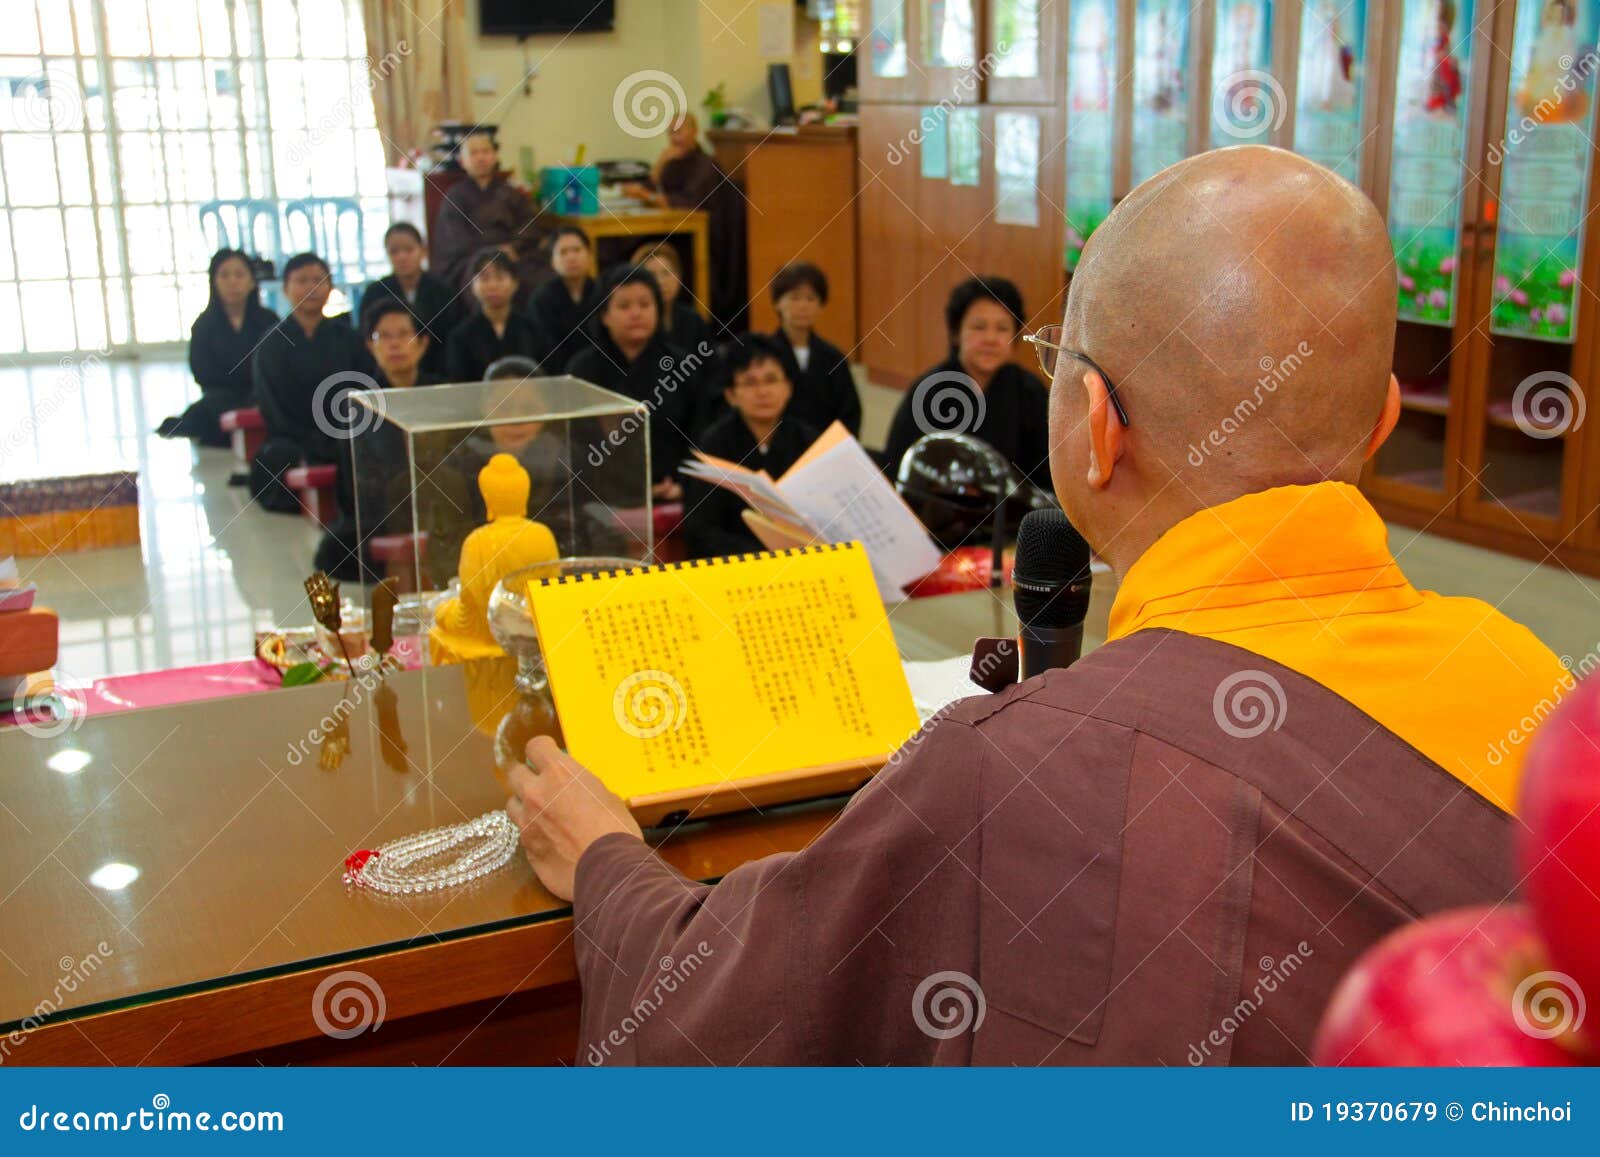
<point x="987" y="204"/>
<point x="1021" y="51"/>
<point x="920" y="50"/>
<point x="1497" y="345"/>
<point x="893" y="233"/>
<point x="1470" y="124"/>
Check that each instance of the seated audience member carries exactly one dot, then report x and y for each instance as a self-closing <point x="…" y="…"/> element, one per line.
<point x="632" y="356"/>
<point x="301" y="368"/>
<point x="1109" y="849"/>
<point x="221" y="343"/>
<point x="824" y="389"/>
<point x="496" y="330"/>
<point x="685" y="176"/>
<point x="374" y="477"/>
<point x="482" y="210"/>
<point x="978" y="389"/>
<point x="680" y="319"/>
<point x="563" y="307"/>
<point x="438" y="307"/>
<point x="757" y="432"/>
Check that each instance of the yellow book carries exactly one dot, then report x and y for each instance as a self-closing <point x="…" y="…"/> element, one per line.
<point x="725" y="674"/>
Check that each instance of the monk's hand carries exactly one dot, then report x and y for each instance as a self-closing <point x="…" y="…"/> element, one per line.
<point x="561" y="808"/>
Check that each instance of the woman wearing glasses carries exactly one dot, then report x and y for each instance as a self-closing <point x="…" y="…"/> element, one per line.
<point x="978" y="389"/>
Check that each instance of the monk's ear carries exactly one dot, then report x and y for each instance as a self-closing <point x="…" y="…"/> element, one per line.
<point x="1387" y="419"/>
<point x="1105" y="431"/>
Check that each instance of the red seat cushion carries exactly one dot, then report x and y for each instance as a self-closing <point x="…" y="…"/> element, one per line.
<point x="311" y="477"/>
<point x="242" y="420"/>
<point x="395" y="547"/>
<point x="666" y="517"/>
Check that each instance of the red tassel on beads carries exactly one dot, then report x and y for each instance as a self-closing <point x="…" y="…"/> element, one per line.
<point x="354" y="862"/>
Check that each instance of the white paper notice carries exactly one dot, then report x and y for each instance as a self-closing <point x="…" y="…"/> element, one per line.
<point x="776" y="31"/>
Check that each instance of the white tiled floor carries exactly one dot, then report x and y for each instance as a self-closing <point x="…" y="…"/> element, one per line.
<point x="213" y="568"/>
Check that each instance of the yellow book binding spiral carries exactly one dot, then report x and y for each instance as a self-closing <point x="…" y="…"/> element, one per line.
<point x="713" y="671"/>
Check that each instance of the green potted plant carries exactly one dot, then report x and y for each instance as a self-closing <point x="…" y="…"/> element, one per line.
<point x="716" y="105"/>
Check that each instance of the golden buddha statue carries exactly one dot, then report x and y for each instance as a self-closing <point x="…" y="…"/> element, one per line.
<point x="509" y="541"/>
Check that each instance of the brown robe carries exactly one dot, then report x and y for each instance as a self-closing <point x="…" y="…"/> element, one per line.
<point x="1124" y="881"/>
<point x="474" y="218"/>
<point x="696" y="181"/>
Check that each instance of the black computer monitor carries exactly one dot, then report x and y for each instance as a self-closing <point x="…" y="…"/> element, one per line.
<point x="781" y="90"/>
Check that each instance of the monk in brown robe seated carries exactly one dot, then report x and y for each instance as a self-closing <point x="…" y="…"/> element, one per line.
<point x="1169" y="852"/>
<point x="685" y="176"/>
<point x="485" y="210"/>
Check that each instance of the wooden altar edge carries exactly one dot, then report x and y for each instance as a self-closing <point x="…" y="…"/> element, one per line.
<point x="240" y="1015"/>
<point x="231" y="1018"/>
<point x="789" y="786"/>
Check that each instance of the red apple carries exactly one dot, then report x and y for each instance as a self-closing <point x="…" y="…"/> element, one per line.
<point x="1558" y="842"/>
<point x="1467" y="987"/>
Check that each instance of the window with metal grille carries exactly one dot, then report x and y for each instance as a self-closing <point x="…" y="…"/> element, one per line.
<point x="139" y="136"/>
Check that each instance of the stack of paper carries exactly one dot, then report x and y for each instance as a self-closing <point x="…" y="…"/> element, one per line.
<point x="833" y="493"/>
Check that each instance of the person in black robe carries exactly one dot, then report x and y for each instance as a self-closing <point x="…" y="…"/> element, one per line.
<point x="684" y="325"/>
<point x="482" y="210"/>
<point x="824" y="389"/>
<point x="302" y="368"/>
<point x="564" y="306"/>
<point x="374" y="479"/>
<point x="437" y="307"/>
<point x="685" y="176"/>
<point x="496" y="330"/>
<point x="681" y="319"/>
<point x="631" y="356"/>
<point x="221" y="343"/>
<point x="978" y="390"/>
<point x="757" y="433"/>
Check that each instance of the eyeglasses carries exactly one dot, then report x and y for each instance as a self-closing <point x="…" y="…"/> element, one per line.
<point x="1047" y="344"/>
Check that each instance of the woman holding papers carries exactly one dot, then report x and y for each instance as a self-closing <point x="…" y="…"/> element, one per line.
<point x="978" y="389"/>
<point x="754" y="434"/>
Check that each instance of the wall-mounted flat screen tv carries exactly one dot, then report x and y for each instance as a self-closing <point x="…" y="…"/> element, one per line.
<point x="545" y="17"/>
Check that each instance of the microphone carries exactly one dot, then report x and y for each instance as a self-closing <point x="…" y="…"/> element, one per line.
<point x="1050" y="584"/>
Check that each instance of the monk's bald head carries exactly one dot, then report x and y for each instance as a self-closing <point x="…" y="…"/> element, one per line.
<point x="1243" y="304"/>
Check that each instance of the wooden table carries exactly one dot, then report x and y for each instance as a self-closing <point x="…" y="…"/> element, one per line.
<point x="644" y="222"/>
<point x="231" y="942"/>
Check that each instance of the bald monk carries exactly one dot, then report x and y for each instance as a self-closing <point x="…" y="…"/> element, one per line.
<point x="1170" y="852"/>
<point x="685" y="176"/>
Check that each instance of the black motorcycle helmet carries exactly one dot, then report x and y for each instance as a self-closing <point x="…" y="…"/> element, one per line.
<point x="953" y="483"/>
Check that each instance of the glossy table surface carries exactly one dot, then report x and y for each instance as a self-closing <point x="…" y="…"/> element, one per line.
<point x="158" y="852"/>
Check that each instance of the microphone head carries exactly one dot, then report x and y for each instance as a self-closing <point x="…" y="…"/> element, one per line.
<point x="1050" y="579"/>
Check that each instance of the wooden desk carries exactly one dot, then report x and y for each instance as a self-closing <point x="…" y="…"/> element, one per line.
<point x="238" y="917"/>
<point x="644" y="222"/>
<point x="801" y="187"/>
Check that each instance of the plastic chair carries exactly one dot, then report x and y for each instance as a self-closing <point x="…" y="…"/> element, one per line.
<point x="335" y="229"/>
<point x="250" y="225"/>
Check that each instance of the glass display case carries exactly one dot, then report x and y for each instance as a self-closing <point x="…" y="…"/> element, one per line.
<point x="416" y="457"/>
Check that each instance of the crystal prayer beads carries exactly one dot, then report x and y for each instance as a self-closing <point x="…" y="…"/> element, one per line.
<point x="435" y="859"/>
